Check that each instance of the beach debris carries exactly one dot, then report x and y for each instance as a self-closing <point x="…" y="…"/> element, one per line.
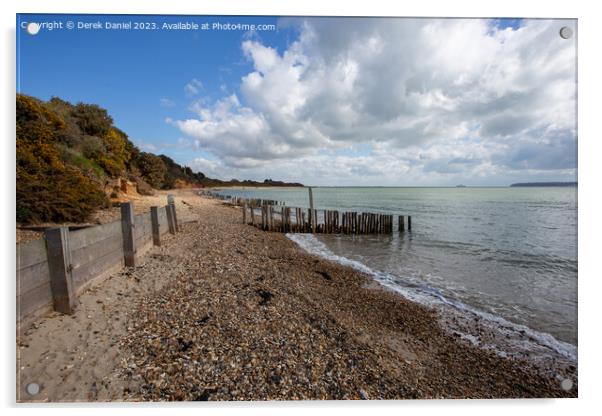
<point x="324" y="274"/>
<point x="363" y="394"/>
<point x="265" y="296"/>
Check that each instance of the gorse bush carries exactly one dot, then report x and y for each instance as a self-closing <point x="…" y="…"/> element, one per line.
<point x="47" y="188"/>
<point x="115" y="155"/>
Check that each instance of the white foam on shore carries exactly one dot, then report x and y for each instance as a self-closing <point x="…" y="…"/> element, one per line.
<point x="520" y="337"/>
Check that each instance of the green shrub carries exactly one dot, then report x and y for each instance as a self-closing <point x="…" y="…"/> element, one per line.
<point x="92" y="119"/>
<point x="152" y="169"/>
<point x="47" y="189"/>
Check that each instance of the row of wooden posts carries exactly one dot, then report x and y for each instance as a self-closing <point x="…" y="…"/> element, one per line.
<point x="238" y="200"/>
<point x="306" y="220"/>
<point x="59" y="253"/>
<point x="275" y="216"/>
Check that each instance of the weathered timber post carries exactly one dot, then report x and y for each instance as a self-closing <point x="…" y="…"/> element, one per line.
<point x="401" y="224"/>
<point x="312" y="220"/>
<point x="309" y="220"/>
<point x="170" y="221"/>
<point x="59" y="265"/>
<point x="267" y="217"/>
<point x="171" y="201"/>
<point x="271" y="220"/>
<point x="409" y="223"/>
<point x="296" y="226"/>
<point x="262" y="218"/>
<point x="155" y="226"/>
<point x="336" y="221"/>
<point x="244" y="213"/>
<point x="127" y="228"/>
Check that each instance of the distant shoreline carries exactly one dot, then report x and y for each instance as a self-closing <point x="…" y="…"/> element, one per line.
<point x="540" y="184"/>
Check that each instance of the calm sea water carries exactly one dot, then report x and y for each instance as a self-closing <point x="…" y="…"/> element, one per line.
<point x="511" y="252"/>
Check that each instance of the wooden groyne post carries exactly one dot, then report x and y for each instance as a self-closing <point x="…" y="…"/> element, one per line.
<point x="312" y="213"/>
<point x="127" y="228"/>
<point x="155" y="226"/>
<point x="402" y="225"/>
<point x="171" y="223"/>
<point x="172" y="202"/>
<point x="60" y="268"/>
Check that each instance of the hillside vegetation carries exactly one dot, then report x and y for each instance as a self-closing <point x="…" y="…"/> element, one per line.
<point x="70" y="158"/>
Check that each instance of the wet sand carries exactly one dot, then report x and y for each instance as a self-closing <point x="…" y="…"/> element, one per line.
<point x="224" y="311"/>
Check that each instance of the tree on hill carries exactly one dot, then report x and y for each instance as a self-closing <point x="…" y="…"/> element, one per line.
<point x="92" y="119"/>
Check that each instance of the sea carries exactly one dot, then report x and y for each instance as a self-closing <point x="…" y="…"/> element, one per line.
<point x="503" y="256"/>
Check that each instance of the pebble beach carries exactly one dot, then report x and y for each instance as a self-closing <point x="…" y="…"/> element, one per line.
<point x="225" y="311"/>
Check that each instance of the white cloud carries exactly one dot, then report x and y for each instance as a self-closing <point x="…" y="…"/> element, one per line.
<point x="166" y="102"/>
<point x="193" y="87"/>
<point x="434" y="101"/>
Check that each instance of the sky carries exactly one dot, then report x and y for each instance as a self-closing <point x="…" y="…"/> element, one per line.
<point x="324" y="101"/>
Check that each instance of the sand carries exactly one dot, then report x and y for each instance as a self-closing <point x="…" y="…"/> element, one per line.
<point x="224" y="311"/>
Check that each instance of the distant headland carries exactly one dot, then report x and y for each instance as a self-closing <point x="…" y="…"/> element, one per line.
<point x="525" y="184"/>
